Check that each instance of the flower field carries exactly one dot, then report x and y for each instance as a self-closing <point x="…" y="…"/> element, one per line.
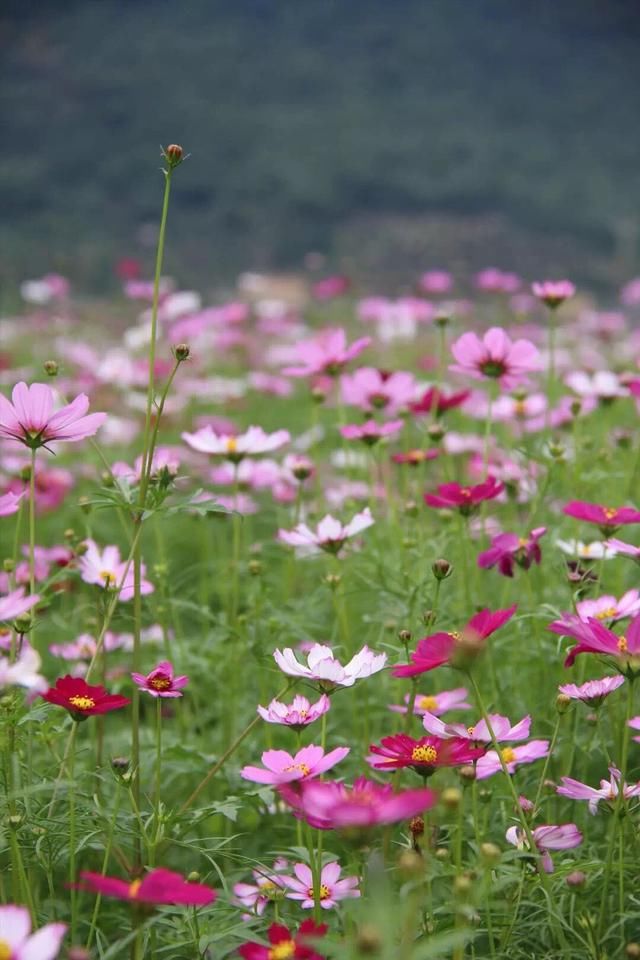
<point x="320" y="624"/>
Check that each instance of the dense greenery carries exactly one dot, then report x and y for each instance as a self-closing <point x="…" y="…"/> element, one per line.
<point x="302" y="116"/>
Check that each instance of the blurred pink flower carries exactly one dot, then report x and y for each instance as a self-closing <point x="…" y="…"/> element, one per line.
<point x="371" y="432"/>
<point x="508" y="549"/>
<point x="253" y="442"/>
<point x="436" y="703"/>
<point x="593" y="692"/>
<point x="14" y="604"/>
<point x="268" y="887"/>
<point x="607" y="518"/>
<point x="282" y="767"/>
<point x="465" y="499"/>
<point x="553" y="292"/>
<point x="436" y="281"/>
<point x="334" y="806"/>
<point x="328" y="353"/>
<point x="10" y="503"/>
<point x="20" y="944"/>
<point x="330" y="535"/>
<point x="492" y="280"/>
<point x="106" y="569"/>
<point x="495" y="357"/>
<point x="608" y="608"/>
<point x="371" y="389"/>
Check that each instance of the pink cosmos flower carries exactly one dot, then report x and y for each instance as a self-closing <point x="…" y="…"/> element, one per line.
<point x="371" y="432"/>
<point x="435" y="704"/>
<point x="17" y="941"/>
<point x="607" y="518"/>
<point x="614" y="546"/>
<point x="548" y="837"/>
<point x="161" y="681"/>
<point x="439" y="648"/>
<point x="284" y="944"/>
<point x="512" y="758"/>
<point x="330" y="535"/>
<point x="281" y="767"/>
<point x="608" y="791"/>
<point x="14" y="604"/>
<point x="593" y="692"/>
<point x="603" y="385"/>
<point x="436" y="281"/>
<point x="435" y="401"/>
<point x="508" y="549"/>
<point x="595" y="638"/>
<point x="52" y="484"/>
<point x="10" y="503"/>
<point x="634" y="723"/>
<point x="608" y="608"/>
<point x="415" y="457"/>
<point x="332" y="889"/>
<point x="23" y="672"/>
<point x="159" y="887"/>
<point x="105" y="569"/>
<point x="502" y="728"/>
<point x="371" y="389"/>
<point x="424" y="755"/>
<point x="328" y="672"/>
<point x="268" y="887"/>
<point x="330" y="805"/>
<point x="253" y="442"/>
<point x="553" y="292"/>
<point x="84" y="647"/>
<point x="465" y="499"/>
<point x="30" y="419"/>
<point x="495" y="357"/>
<point x="493" y="280"/>
<point x="328" y="353"/>
<point x="298" y="715"/>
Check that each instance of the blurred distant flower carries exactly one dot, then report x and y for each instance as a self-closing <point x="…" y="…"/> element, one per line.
<point x="495" y="357"/>
<point x="553" y="292"/>
<point x="465" y="499"/>
<point x="371" y="432"/>
<point x="607" y="518"/>
<point x="328" y="353"/>
<point x="10" y="503"/>
<point x="157" y="887"/>
<point x="17" y="941"/>
<point x="436" y="703"/>
<point x="253" y="442"/>
<point x="105" y="569"/>
<point x="330" y="535"/>
<point x="371" y="389"/>
<point x="14" y="604"/>
<point x="508" y="549"/>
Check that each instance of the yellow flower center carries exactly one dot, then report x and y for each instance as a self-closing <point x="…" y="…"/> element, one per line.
<point x="283" y="950"/>
<point x="231" y="445"/>
<point x="520" y="408"/>
<point x="302" y="767"/>
<point x="267" y="888"/>
<point x="416" y="456"/>
<point x="455" y="634"/>
<point x="160" y="683"/>
<point x="109" y="579"/>
<point x="5" y="950"/>
<point x="428" y="703"/>
<point x="133" y="888"/>
<point x="424" y="754"/>
<point x="610" y="512"/>
<point x="508" y="754"/>
<point x="82" y="703"/>
<point x="622" y="644"/>
<point x="465" y="492"/>
<point x="606" y="614"/>
<point x="324" y="892"/>
<point x="522" y="541"/>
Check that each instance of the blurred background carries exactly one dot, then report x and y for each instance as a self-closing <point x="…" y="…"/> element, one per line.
<point x="389" y="136"/>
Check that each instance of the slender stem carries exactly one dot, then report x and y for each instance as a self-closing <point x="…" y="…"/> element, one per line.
<point x="543" y="775"/>
<point x="32" y="523"/>
<point x="158" y="755"/>
<point x="72" y="842"/>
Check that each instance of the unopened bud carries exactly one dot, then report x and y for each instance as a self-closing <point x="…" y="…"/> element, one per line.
<point x="69" y="534"/>
<point x="254" y="567"/>
<point x="120" y="764"/>
<point x="485" y="794"/>
<point x="23" y="623"/>
<point x="623" y="439"/>
<point x="404" y="636"/>
<point x="411" y="508"/>
<point x="181" y="351"/>
<point x="442" y="853"/>
<point x="8" y="565"/>
<point x="632" y="950"/>
<point x="429" y="617"/>
<point x="333" y="580"/>
<point x="194" y="877"/>
<point x="436" y="431"/>
<point x="368" y="940"/>
<point x="462" y="885"/>
<point x="318" y="395"/>
<point x="174" y="154"/>
<point x="591" y="719"/>
<point x="15" y="821"/>
<point x="490" y="853"/>
<point x="467" y="774"/>
<point x="441" y="569"/>
<point x="575" y="407"/>
<point x="451" y="798"/>
<point x="442" y="319"/>
<point x="50" y="368"/>
<point x="557" y="450"/>
<point x="410" y="863"/>
<point x="576" y="879"/>
<point x="416" y="826"/>
<point x="563" y="702"/>
<point x="85" y="504"/>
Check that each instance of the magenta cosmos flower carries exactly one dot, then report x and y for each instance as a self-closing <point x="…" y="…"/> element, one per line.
<point x="328" y="353"/>
<point x="253" y="442"/>
<point x="593" y="637"/>
<point x="285" y="945"/>
<point x="608" y="790"/>
<point x="334" y="806"/>
<point x="435" y="401"/>
<point x="508" y="549"/>
<point x="371" y="389"/>
<point x="435" y="704"/>
<point x="415" y="457"/>
<point x="323" y="668"/>
<point x="548" y="837"/>
<point x="330" y="535"/>
<point x="297" y="715"/>
<point x="18" y="943"/>
<point x="161" y="682"/>
<point x="105" y="569"/>
<point x="157" y="887"/>
<point x="371" y="432"/>
<point x="281" y="767"/>
<point x="14" y="604"/>
<point x="423" y="755"/>
<point x="31" y="420"/>
<point x="593" y="692"/>
<point x="10" y="503"/>
<point x="495" y="357"/>
<point x="553" y="292"/>
<point x="465" y="499"/>
<point x="440" y="648"/>
<point x="332" y="888"/>
<point x="607" y="518"/>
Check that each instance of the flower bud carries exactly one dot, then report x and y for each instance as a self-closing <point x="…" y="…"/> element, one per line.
<point x="410" y="863"/>
<point x="408" y="542"/>
<point x="442" y="319"/>
<point x="441" y="569"/>
<point x="485" y="794"/>
<point x="576" y="407"/>
<point x="557" y="450"/>
<point x="462" y="885"/>
<point x="181" y="351"/>
<point x="428" y="617"/>
<point x="404" y="636"/>
<point x="442" y="853"/>
<point x="416" y="826"/>
<point x="85" y="504"/>
<point x="632" y="950"/>
<point x="8" y="565"/>
<point x="451" y="798"/>
<point x="254" y="567"/>
<point x="563" y="702"/>
<point x="69" y="534"/>
<point x="436" y="432"/>
<point x="24" y="622"/>
<point x="591" y="719"/>
<point x="15" y="821"/>
<point x="194" y="877"/>
<point x="490" y="853"/>
<point x="50" y="368"/>
<point x="333" y="580"/>
<point x="368" y="940"/>
<point x="467" y="774"/>
<point x="411" y="508"/>
<point x="318" y="395"/>
<point x="173" y="154"/>
<point x="576" y="879"/>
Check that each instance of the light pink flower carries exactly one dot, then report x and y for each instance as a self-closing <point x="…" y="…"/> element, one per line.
<point x="493" y="280"/>
<point x="161" y="682"/>
<point x="436" y="703"/>
<point x="332" y="889"/>
<point x="592" y="692"/>
<point x="371" y="432"/>
<point x="608" y="608"/>
<point x="14" y="604"/>
<point x="436" y="281"/>
<point x="107" y="570"/>
<point x="608" y="791"/>
<point x="298" y="715"/>
<point x="330" y="535"/>
<point x="23" y="672"/>
<point x="370" y="389"/>
<point x="20" y="943"/>
<point x="268" y="886"/>
<point x="501" y="726"/>
<point x="281" y="767"/>
<point x="553" y="292"/>
<point x="328" y="353"/>
<point x="495" y="356"/>
<point x="512" y="757"/>
<point x="253" y="442"/>
<point x="634" y="723"/>
<point x="10" y="503"/>
<point x="31" y="420"/>
<point x="614" y="546"/>
<point x="323" y="667"/>
<point x="603" y="384"/>
<point x="548" y="837"/>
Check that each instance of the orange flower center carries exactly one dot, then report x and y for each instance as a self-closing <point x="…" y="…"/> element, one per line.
<point x="82" y="703"/>
<point x="610" y="512"/>
<point x="324" y="892"/>
<point x="424" y="754"/>
<point x="508" y="754"/>
<point x="133" y="889"/>
<point x="283" y="950"/>
<point x="6" y="952"/>
<point x="302" y="767"/>
<point x="622" y="645"/>
<point x="606" y="614"/>
<point x="428" y="703"/>
<point x="520" y="408"/>
<point x="160" y="683"/>
<point x="231" y="445"/>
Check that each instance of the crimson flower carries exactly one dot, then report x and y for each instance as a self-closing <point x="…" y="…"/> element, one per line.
<point x="440" y="648"/>
<point x="436" y="402"/>
<point x="286" y="945"/>
<point x="607" y="518"/>
<point x="423" y="755"/>
<point x="157" y="887"/>
<point x="465" y="499"/>
<point x="81" y="699"/>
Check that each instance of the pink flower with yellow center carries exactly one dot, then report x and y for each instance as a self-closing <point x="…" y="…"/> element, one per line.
<point x="508" y="550"/>
<point x="330" y="805"/>
<point x="281" y="767"/>
<point x="424" y="755"/>
<point x="18" y="943"/>
<point x="511" y="757"/>
<point x="157" y="887"/>
<point x="608" y="790"/>
<point x="547" y="837"/>
<point x="605" y="517"/>
<point x="253" y="442"/>
<point x="466" y="499"/>
<point x="331" y="888"/>
<point x="161" y="682"/>
<point x="435" y="703"/>
<point x="297" y="715"/>
<point x="594" y="637"/>
<point x="553" y="292"/>
<point x="593" y="692"/>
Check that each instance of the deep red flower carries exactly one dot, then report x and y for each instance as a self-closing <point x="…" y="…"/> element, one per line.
<point x="423" y="755"/>
<point x="437" y="402"/>
<point x="465" y="499"/>
<point x="286" y="945"/>
<point x="83" y="700"/>
<point x="440" y="648"/>
<point x="157" y="887"/>
<point x="607" y="518"/>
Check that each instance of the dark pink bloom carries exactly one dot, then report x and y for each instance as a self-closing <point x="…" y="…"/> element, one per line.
<point x="493" y="280"/>
<point x="31" y="420"/>
<point x="495" y="357"/>
<point x="553" y="292"/>
<point x="593" y="637"/>
<point x="415" y="457"/>
<point x="508" y="549"/>
<point x="439" y="648"/>
<point x="607" y="518"/>
<point x="161" y="681"/>
<point x="81" y="699"/>
<point x="330" y="287"/>
<point x="423" y="755"/>
<point x="334" y="806"/>
<point x="286" y="945"/>
<point x="465" y="499"/>
<point x="435" y="401"/>
<point x="157" y="887"/>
